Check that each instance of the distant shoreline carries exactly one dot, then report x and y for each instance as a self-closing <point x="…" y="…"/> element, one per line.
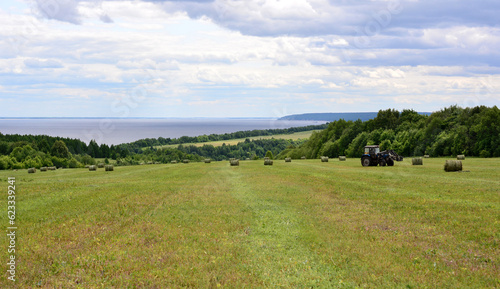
<point x="99" y="117"/>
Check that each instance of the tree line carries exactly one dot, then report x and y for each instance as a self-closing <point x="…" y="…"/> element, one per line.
<point x="450" y="131"/>
<point x="25" y="151"/>
<point x="138" y="145"/>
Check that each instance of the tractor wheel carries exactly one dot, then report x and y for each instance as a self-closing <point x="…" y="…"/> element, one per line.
<point x="365" y="161"/>
<point x="390" y="162"/>
<point x="382" y="163"/>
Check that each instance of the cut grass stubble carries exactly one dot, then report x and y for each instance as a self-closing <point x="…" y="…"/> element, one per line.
<point x="288" y="225"/>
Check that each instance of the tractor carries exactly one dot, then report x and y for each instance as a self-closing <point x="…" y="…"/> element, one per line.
<point x="373" y="156"/>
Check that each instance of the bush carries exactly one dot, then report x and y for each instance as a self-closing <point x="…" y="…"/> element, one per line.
<point x="269" y="155"/>
<point x="73" y="163"/>
<point x="60" y="162"/>
<point x="484" y="154"/>
<point x="5" y="163"/>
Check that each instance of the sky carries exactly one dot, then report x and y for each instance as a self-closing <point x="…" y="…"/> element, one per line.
<point x="252" y="58"/>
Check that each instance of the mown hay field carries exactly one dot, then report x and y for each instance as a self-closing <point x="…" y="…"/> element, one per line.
<point x="293" y="136"/>
<point x="290" y="225"/>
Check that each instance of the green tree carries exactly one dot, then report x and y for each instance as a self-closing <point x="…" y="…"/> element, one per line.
<point x="59" y="149"/>
<point x="269" y="154"/>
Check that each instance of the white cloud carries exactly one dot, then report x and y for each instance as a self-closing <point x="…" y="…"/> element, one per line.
<point x="261" y="52"/>
<point x="42" y="63"/>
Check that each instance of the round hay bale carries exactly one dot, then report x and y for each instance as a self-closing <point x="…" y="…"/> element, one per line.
<point x="52" y="168"/>
<point x="31" y="170"/>
<point x="453" y="166"/>
<point x="109" y="168"/>
<point x="268" y="162"/>
<point x="288" y="160"/>
<point x="247" y="159"/>
<point x="87" y="166"/>
<point x="234" y="162"/>
<point x="303" y="157"/>
<point x="324" y="159"/>
<point x="417" y="161"/>
<point x="426" y="156"/>
<point x="207" y="161"/>
<point x="461" y="157"/>
<point x="43" y="169"/>
<point x="92" y="168"/>
<point x="100" y="165"/>
<point x="185" y="161"/>
<point x="342" y="158"/>
<point x="173" y="162"/>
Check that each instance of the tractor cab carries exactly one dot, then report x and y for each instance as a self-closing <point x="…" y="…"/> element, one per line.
<point x="372" y="150"/>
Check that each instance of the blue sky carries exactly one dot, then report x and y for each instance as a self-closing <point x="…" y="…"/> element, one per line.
<point x="254" y="58"/>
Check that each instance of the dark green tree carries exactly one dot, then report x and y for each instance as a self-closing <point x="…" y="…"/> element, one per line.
<point x="59" y="149"/>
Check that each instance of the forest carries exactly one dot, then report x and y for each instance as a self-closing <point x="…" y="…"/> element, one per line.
<point x="448" y="132"/>
<point x="26" y="151"/>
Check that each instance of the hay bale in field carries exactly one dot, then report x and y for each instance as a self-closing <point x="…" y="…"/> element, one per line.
<point x="461" y="157"/>
<point x="31" y="170"/>
<point x="426" y="156"/>
<point x="100" y="165"/>
<point x="157" y="163"/>
<point x="453" y="166"/>
<point x="92" y="168"/>
<point x="185" y="161"/>
<point x="43" y="169"/>
<point x="324" y="159"/>
<point x="342" y="158"/>
<point x="207" y="161"/>
<point x="303" y="157"/>
<point x="268" y="162"/>
<point x="417" y="161"/>
<point x="234" y="162"/>
<point x="247" y="159"/>
<point x="52" y="168"/>
<point x="288" y="160"/>
<point x="109" y="168"/>
<point x="173" y="162"/>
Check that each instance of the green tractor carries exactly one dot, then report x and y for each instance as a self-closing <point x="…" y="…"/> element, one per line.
<point x="373" y="156"/>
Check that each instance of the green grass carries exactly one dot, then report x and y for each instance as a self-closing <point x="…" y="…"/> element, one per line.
<point x="291" y="225"/>
<point x="292" y="136"/>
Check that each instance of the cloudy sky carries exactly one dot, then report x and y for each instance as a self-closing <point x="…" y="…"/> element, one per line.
<point x="245" y="58"/>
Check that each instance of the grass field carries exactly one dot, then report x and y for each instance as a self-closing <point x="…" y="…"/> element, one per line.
<point x="292" y="136"/>
<point x="304" y="224"/>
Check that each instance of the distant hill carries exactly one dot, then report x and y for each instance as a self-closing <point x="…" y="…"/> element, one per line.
<point x="333" y="116"/>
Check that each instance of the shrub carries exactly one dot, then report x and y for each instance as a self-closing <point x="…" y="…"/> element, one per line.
<point x="73" y="163"/>
<point x="484" y="154"/>
<point x="5" y="163"/>
<point x="269" y="155"/>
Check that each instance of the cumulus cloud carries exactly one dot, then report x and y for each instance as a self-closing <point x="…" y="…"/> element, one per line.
<point x="313" y="54"/>
<point x="42" y="63"/>
<point x="62" y="10"/>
